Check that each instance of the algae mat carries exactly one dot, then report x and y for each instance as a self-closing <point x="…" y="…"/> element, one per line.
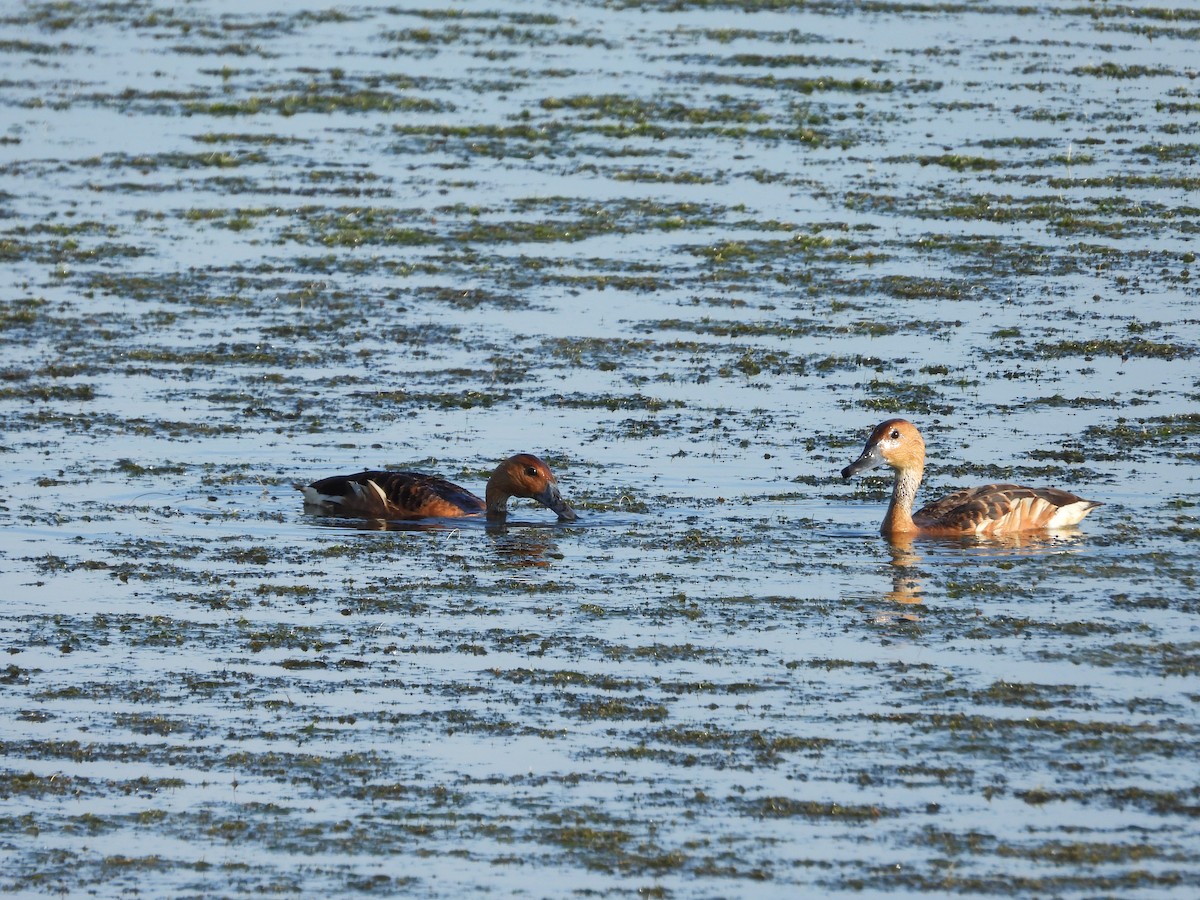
<point x="689" y="252"/>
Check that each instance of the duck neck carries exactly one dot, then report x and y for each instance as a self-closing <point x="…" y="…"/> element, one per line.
<point x="899" y="518"/>
<point x="497" y="499"/>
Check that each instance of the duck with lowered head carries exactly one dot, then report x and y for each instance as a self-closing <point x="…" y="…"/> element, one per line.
<point x="414" y="495"/>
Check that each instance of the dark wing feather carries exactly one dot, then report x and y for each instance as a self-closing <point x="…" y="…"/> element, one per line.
<point x="991" y="500"/>
<point x="413" y="490"/>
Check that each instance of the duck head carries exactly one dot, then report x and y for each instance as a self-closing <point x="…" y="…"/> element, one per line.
<point x="895" y="443"/>
<point x="524" y="475"/>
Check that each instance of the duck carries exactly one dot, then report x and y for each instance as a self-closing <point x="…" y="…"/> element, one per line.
<point x="993" y="509"/>
<point x="415" y="495"/>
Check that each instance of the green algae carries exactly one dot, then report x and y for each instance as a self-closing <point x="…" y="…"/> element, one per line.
<point x="1164" y="658"/>
<point x="317" y="98"/>
<point x="785" y="807"/>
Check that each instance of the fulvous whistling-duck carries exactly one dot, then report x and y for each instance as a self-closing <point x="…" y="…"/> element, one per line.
<point x="412" y="495"/>
<point x="988" y="510"/>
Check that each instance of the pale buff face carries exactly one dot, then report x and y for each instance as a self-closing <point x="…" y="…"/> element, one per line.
<point x="895" y="443"/>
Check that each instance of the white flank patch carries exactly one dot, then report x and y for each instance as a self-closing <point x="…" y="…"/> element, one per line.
<point x="1071" y="514"/>
<point x="313" y="497"/>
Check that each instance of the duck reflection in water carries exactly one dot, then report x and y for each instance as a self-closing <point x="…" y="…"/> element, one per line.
<point x="528" y="547"/>
<point x="907" y="583"/>
<point x="515" y="544"/>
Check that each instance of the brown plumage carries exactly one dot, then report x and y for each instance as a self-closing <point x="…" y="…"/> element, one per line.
<point x="413" y="495"/>
<point x="988" y="510"/>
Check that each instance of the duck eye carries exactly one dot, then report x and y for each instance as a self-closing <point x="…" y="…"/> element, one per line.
<point x="531" y="471"/>
<point x="895" y="435"/>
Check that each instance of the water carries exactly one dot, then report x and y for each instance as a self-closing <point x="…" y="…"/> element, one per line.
<point x="690" y="255"/>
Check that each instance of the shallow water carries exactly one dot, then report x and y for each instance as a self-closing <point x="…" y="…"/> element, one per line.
<point x="689" y="253"/>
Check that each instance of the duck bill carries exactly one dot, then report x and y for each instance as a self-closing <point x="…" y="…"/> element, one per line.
<point x="871" y="459"/>
<point x="553" y="500"/>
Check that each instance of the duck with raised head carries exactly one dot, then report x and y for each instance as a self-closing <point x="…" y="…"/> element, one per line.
<point x="414" y="495"/>
<point x="992" y="509"/>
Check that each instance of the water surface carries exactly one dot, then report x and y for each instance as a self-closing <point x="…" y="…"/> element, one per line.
<point x="690" y="253"/>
